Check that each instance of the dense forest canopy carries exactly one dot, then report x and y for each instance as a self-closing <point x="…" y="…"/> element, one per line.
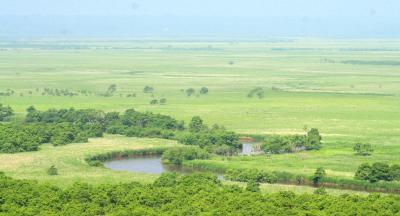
<point x="197" y="194"/>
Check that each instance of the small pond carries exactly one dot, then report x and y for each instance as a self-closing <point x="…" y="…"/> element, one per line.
<point x="145" y="164"/>
<point x="153" y="164"/>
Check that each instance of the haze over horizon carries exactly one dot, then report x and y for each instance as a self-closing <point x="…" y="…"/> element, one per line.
<point x="207" y="18"/>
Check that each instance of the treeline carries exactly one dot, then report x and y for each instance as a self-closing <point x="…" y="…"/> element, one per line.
<point x="197" y="194"/>
<point x="65" y="126"/>
<point x="378" y="172"/>
<point x="293" y="143"/>
<point x="28" y="137"/>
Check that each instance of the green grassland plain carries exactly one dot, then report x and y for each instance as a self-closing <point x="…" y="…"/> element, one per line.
<point x="306" y="82"/>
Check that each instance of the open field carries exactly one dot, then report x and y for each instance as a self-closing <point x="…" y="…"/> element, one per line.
<point x="349" y="90"/>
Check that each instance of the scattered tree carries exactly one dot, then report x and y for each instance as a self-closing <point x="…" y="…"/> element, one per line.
<point x="148" y="89"/>
<point x="190" y="92"/>
<point x="204" y="90"/>
<point x="363" y="149"/>
<point x="154" y="101"/>
<point x="163" y="101"/>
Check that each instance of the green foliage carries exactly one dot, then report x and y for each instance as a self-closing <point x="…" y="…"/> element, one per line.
<point x="250" y="175"/>
<point x="196" y="124"/>
<point x="190" y="91"/>
<point x="163" y="101"/>
<point x="197" y="194"/>
<point x="28" y="137"/>
<point x="313" y="139"/>
<point x="52" y="171"/>
<point x="5" y="112"/>
<point x="259" y="92"/>
<point x="110" y="90"/>
<point x="378" y="172"/>
<point x="363" y="149"/>
<point x="148" y="89"/>
<point x="253" y="186"/>
<point x="97" y="160"/>
<point x="300" y="179"/>
<point x="320" y="191"/>
<point x="154" y="102"/>
<point x="319" y="175"/>
<point x="19" y="138"/>
<point x="166" y="180"/>
<point x="204" y="90"/>
<point x="288" y="144"/>
<point x="179" y="154"/>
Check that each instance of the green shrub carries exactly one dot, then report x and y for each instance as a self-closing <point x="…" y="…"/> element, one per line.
<point x="52" y="171"/>
<point x="253" y="186"/>
<point x="179" y="154"/>
<point x="363" y="149"/>
<point x="320" y="191"/>
<point x="319" y="175"/>
<point x="5" y="112"/>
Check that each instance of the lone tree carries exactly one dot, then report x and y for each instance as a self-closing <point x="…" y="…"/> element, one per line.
<point x="5" y="112"/>
<point x="319" y="175"/>
<point x="204" y="90"/>
<point x="111" y="89"/>
<point x="163" y="101"/>
<point x="313" y="139"/>
<point x="363" y="149"/>
<point x="190" y="92"/>
<point x="153" y="102"/>
<point x="148" y="89"/>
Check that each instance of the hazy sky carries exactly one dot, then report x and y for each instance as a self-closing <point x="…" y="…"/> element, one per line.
<point x="192" y="18"/>
<point x="309" y="8"/>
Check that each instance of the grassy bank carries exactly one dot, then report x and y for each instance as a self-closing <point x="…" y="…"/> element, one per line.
<point x="71" y="164"/>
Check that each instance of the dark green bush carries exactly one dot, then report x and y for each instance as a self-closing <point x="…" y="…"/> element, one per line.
<point x="52" y="171"/>
<point x="5" y="112"/>
<point x="179" y="154"/>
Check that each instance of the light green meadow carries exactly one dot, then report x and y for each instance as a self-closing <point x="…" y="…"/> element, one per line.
<point x="306" y="85"/>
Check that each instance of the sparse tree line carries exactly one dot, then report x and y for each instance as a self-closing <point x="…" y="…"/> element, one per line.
<point x="294" y="143"/>
<point x="192" y="92"/>
<point x="172" y="194"/>
<point x="48" y="92"/>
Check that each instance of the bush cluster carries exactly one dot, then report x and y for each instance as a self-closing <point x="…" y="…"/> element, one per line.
<point x="250" y="175"/>
<point x="179" y="154"/>
<point x="287" y="144"/>
<point x="378" y="172"/>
